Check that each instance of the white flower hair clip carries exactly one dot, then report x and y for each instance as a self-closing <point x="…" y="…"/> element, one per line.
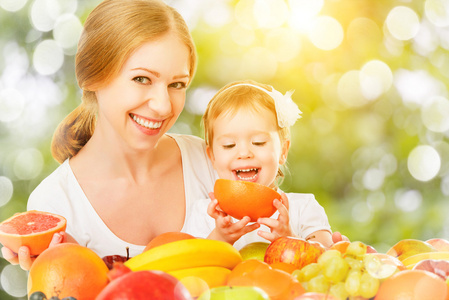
<point x="287" y="111"/>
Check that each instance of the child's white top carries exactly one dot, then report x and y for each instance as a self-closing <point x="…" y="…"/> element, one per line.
<point x="61" y="193"/>
<point x="306" y="217"/>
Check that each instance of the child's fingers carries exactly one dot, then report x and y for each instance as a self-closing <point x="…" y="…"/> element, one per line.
<point x="213" y="211"/>
<point x="283" y="211"/>
<point x="271" y="223"/>
<point x="284" y="201"/>
<point x="267" y="235"/>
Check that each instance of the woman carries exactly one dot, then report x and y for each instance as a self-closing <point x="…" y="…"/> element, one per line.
<point x="123" y="180"/>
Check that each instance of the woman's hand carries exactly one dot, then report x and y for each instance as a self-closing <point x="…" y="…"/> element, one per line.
<point x="280" y="226"/>
<point x="24" y="258"/>
<point x="225" y="229"/>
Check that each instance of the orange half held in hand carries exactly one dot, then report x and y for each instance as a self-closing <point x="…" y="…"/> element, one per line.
<point x="33" y="229"/>
<point x="243" y="198"/>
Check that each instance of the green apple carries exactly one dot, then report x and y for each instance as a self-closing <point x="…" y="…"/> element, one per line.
<point x="255" y="250"/>
<point x="234" y="292"/>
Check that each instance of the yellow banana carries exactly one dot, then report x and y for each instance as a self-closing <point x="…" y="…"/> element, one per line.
<point x="197" y="280"/>
<point x="184" y="254"/>
<point x="409" y="262"/>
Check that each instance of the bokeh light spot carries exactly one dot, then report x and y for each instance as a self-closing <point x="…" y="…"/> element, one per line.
<point x="270" y="13"/>
<point x="12" y="5"/>
<point x="6" y="190"/>
<point x="435" y="114"/>
<point x="403" y="23"/>
<point x="424" y="162"/>
<point x="218" y="14"/>
<point x="373" y="179"/>
<point x="67" y="31"/>
<point x="361" y="212"/>
<point x="14" y="281"/>
<point x="375" y="201"/>
<point x="375" y="79"/>
<point x="283" y="44"/>
<point x="28" y="164"/>
<point x="326" y="33"/>
<point x="408" y="200"/>
<point x="437" y="11"/>
<point x="349" y="91"/>
<point x="12" y="104"/>
<point x="44" y="13"/>
<point x="48" y="57"/>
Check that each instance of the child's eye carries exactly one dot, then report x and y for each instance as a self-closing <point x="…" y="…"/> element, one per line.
<point x="178" y="85"/>
<point x="228" y="146"/>
<point x="142" y="79"/>
<point x="259" y="143"/>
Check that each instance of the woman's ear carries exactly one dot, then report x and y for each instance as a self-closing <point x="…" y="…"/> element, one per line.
<point x="284" y="152"/>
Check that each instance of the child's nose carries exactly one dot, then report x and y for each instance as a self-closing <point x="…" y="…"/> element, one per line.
<point x="245" y="152"/>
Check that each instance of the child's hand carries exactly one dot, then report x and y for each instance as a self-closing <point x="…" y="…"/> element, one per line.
<point x="280" y="226"/>
<point x="225" y="229"/>
<point x="24" y="258"/>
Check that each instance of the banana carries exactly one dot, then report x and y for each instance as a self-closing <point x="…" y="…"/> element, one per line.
<point x="410" y="261"/>
<point x="184" y="254"/>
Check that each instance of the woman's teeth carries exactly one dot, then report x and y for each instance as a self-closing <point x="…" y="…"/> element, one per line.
<point x="146" y="123"/>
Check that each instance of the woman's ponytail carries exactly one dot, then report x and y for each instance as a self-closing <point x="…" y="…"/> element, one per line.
<point x="75" y="130"/>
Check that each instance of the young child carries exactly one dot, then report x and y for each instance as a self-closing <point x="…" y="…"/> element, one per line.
<point x="247" y="134"/>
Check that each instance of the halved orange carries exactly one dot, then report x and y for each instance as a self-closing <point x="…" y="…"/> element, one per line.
<point x="243" y="198"/>
<point x="33" y="229"/>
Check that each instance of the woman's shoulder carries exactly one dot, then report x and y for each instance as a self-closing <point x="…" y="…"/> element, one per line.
<point x="54" y="186"/>
<point x="188" y="140"/>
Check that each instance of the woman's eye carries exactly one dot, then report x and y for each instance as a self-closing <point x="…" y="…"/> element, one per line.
<point x="178" y="85"/>
<point x="142" y="79"/>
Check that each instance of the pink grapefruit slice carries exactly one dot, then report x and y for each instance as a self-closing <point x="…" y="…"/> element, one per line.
<point x="33" y="229"/>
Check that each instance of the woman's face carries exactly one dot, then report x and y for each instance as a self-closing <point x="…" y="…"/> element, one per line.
<point x="142" y="103"/>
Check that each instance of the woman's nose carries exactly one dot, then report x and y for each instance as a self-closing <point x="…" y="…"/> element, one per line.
<point x="159" y="101"/>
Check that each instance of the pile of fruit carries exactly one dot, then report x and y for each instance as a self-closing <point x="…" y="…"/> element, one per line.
<point x="179" y="266"/>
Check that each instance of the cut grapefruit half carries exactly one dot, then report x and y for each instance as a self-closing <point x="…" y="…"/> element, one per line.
<point x="33" y="229"/>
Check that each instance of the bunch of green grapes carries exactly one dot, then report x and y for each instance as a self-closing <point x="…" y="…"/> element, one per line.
<point x="344" y="276"/>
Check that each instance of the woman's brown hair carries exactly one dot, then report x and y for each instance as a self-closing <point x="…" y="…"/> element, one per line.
<point x="112" y="32"/>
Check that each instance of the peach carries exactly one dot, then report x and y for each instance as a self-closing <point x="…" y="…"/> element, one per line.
<point x="439" y="244"/>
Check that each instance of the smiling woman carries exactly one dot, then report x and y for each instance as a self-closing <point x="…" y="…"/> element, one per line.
<point x="123" y="180"/>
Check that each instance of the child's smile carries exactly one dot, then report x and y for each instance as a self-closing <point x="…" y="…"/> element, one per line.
<point x="248" y="174"/>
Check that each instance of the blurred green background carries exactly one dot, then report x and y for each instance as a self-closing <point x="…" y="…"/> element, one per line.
<point x="371" y="78"/>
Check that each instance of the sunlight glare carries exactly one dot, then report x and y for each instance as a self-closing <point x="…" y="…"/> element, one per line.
<point x="270" y="13"/>
<point x="303" y="12"/>
<point x="283" y="43"/>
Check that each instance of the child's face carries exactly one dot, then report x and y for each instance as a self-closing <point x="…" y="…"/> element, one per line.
<point x="247" y="147"/>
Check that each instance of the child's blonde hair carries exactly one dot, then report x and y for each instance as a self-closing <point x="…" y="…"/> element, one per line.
<point x="112" y="32"/>
<point x="230" y="99"/>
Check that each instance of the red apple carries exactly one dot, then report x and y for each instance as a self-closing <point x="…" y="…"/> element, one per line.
<point x="315" y="296"/>
<point x="439" y="267"/>
<point x="142" y="285"/>
<point x="441" y="245"/>
<point x="118" y="270"/>
<point x="292" y="250"/>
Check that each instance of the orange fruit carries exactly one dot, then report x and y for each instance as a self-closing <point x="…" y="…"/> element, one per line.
<point x="247" y="266"/>
<point x="413" y="285"/>
<point x="278" y="284"/>
<point x="33" y="229"/>
<point x="242" y="198"/>
<point x="340" y="246"/>
<point x="68" y="270"/>
<point x="167" y="237"/>
<point x="289" y="268"/>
